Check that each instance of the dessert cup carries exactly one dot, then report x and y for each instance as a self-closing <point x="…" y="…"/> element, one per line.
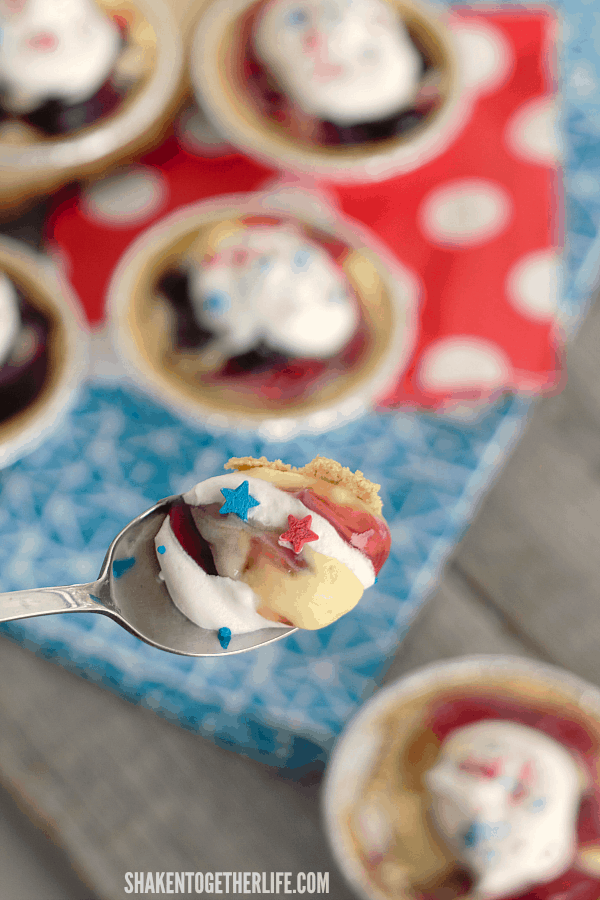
<point x="220" y="76"/>
<point x="62" y="361"/>
<point x="143" y="325"/>
<point x="150" y="68"/>
<point x="376" y="806"/>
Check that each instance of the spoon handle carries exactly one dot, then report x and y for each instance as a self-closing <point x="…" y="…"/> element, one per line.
<point x="43" y="601"/>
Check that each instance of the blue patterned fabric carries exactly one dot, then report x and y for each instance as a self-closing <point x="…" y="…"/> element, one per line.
<point x="119" y="453"/>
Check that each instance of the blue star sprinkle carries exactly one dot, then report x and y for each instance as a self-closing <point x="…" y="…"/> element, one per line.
<point x="224" y="635"/>
<point x="297" y="18"/>
<point x="474" y="835"/>
<point x="161" y="549"/>
<point x="301" y="259"/>
<point x="216" y="303"/>
<point x="238" y="501"/>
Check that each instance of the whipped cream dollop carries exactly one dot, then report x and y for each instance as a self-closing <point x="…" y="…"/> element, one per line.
<point x="10" y="317"/>
<point x="320" y="578"/>
<point x="54" y="50"/>
<point x="506" y="799"/>
<point x="271" y="285"/>
<point x="342" y="61"/>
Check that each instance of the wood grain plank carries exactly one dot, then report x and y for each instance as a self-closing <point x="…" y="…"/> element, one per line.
<point x="455" y="622"/>
<point x="534" y="548"/>
<point x="131" y="792"/>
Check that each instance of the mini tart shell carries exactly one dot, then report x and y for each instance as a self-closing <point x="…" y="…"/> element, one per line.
<point x="34" y="164"/>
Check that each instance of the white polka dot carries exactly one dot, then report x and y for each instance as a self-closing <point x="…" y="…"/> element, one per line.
<point x="532" y="132"/>
<point x="582" y="81"/>
<point x="532" y="284"/>
<point x="465" y="213"/>
<point x="127" y="198"/>
<point x="196" y="135"/>
<point x="463" y="363"/>
<point x="486" y="56"/>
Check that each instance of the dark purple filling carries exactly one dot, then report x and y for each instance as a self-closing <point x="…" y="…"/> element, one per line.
<point x="373" y="131"/>
<point x="23" y="375"/>
<point x="55" y="117"/>
<point x="260" y="359"/>
<point x="189" y="335"/>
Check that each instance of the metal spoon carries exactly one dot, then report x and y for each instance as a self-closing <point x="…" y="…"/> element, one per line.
<point x="129" y="590"/>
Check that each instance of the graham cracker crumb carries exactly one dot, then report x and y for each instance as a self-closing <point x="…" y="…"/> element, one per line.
<point x="323" y="468"/>
<point x="241" y="463"/>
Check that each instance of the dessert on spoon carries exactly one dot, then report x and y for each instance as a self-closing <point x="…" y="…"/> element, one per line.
<point x="238" y="561"/>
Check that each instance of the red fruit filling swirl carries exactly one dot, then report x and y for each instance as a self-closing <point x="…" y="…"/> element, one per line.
<point x="371" y="535"/>
<point x="184" y="529"/>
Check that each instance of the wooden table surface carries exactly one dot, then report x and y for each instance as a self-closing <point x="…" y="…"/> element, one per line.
<point x="115" y="788"/>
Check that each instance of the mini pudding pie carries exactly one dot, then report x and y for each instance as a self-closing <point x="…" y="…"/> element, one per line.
<point x="270" y="546"/>
<point x="340" y="71"/>
<point x="264" y="315"/>
<point x="24" y="352"/>
<point x="240" y="316"/>
<point x="256" y="298"/>
<point x="474" y="778"/>
<point x="64" y="64"/>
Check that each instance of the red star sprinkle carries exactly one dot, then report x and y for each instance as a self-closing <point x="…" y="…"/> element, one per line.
<point x="299" y="533"/>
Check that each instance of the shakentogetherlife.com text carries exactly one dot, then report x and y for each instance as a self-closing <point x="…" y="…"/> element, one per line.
<point x="226" y="883"/>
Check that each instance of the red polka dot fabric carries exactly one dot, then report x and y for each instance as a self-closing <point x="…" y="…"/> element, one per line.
<point x="480" y="226"/>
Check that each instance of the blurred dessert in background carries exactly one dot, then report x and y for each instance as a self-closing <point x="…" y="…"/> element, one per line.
<point x="247" y="317"/>
<point x="23" y="349"/>
<point x="271" y="545"/>
<point x="43" y="348"/>
<point x="258" y="296"/>
<point x="348" y="89"/>
<point x="474" y="777"/>
<point x="60" y="63"/>
<point x="348" y="69"/>
<point x="83" y="84"/>
<point x="506" y="799"/>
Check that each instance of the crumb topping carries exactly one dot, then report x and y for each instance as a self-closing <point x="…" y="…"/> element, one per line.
<point x="323" y="468"/>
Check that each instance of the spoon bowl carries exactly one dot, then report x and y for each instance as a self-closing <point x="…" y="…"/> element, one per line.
<point x="130" y="592"/>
